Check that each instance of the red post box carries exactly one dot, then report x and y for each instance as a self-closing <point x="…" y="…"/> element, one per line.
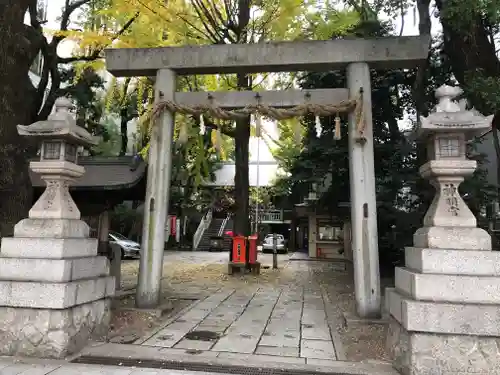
<point x="239" y="250"/>
<point x="252" y="249"/>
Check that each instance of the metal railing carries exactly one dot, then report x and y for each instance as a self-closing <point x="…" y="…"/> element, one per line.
<point x="204" y="224"/>
<point x="223" y="225"/>
<point x="271" y="216"/>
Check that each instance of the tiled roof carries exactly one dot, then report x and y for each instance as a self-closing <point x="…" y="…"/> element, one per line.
<point x="109" y="173"/>
<point x="117" y="173"/>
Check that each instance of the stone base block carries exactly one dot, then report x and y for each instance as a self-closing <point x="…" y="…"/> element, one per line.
<point x="416" y="353"/>
<point x="448" y="288"/>
<point x="51" y="228"/>
<point x="452" y="238"/>
<point x="48" y="248"/>
<point x="55" y="295"/>
<point x="53" y="270"/>
<point x="49" y="333"/>
<point x="443" y="318"/>
<point x="457" y="262"/>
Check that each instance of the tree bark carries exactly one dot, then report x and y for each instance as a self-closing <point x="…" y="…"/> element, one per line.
<point x="241" y="176"/>
<point x="19" y="49"/>
<point x="471" y="50"/>
<point x="123" y="130"/>
<point x="242" y="138"/>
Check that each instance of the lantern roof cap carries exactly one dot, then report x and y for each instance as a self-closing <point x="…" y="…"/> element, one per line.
<point x="452" y="116"/>
<point x="61" y="124"/>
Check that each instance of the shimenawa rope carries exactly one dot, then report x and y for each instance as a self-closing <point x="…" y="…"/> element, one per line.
<point x="352" y="105"/>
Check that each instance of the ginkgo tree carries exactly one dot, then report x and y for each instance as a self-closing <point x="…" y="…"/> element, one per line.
<point x="211" y="22"/>
<point x="235" y="22"/>
<point x="23" y="102"/>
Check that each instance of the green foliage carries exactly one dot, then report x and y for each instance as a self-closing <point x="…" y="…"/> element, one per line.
<point x="465" y="14"/>
<point x="83" y="87"/>
<point x="111" y="140"/>
<point x="122" y="219"/>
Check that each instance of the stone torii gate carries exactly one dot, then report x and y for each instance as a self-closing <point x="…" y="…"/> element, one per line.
<point x="357" y="56"/>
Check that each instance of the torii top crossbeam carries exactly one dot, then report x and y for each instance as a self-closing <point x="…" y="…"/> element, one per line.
<point x="385" y="53"/>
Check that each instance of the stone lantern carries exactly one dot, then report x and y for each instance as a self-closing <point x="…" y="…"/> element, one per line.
<point x="445" y="307"/>
<point x="54" y="290"/>
<point x="60" y="137"/>
<point x="449" y="223"/>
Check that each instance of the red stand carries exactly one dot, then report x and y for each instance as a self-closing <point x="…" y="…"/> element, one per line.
<point x="244" y="255"/>
<point x="252" y="249"/>
<point x="239" y="250"/>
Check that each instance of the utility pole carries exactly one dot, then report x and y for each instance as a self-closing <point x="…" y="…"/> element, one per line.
<point x="258" y="183"/>
<point x="275" y="251"/>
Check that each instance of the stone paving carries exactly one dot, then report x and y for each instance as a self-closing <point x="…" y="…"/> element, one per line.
<point x="301" y="319"/>
<point x="287" y="323"/>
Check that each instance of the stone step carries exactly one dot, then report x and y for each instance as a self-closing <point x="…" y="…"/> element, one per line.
<point x="460" y="238"/>
<point x="48" y="248"/>
<point x="443" y="318"/>
<point x="45" y="295"/>
<point x="450" y="261"/>
<point x="51" y="228"/>
<point x="53" y="270"/>
<point x="448" y="288"/>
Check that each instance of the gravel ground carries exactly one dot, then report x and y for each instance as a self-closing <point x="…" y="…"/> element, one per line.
<point x="188" y="275"/>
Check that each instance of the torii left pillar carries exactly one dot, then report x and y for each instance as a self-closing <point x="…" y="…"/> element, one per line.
<point x="157" y="196"/>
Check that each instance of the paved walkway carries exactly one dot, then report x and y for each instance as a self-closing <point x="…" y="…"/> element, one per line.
<point x="285" y="314"/>
<point x="279" y="322"/>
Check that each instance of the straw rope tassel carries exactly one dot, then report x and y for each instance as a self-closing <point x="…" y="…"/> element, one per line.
<point x="359" y="114"/>
<point x="297" y="131"/>
<point x="258" y="124"/>
<point x="202" y="126"/>
<point x="218" y="141"/>
<point x="317" y="126"/>
<point x="183" y="133"/>
<point x="338" y="133"/>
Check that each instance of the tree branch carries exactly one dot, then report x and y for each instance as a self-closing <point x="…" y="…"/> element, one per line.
<point x="210" y="28"/>
<point x="209" y="124"/>
<point x="44" y="77"/>
<point x="97" y="52"/>
<point x="424" y="29"/>
<point x="50" y="58"/>
<point x="68" y="10"/>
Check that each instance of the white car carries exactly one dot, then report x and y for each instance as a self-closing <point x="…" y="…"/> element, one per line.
<point x="129" y="248"/>
<point x="267" y="244"/>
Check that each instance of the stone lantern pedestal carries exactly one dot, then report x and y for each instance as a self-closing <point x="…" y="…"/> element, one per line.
<point x="54" y="289"/>
<point x="445" y="308"/>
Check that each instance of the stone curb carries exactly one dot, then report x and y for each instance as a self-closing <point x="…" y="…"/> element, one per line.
<point x="127" y="353"/>
<point x="333" y="322"/>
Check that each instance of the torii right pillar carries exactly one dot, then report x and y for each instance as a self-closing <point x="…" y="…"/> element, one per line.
<point x="445" y="308"/>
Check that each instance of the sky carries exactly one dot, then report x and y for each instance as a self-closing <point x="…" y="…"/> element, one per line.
<point x="410" y="28"/>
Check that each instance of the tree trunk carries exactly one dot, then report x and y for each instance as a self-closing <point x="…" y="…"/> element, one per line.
<point x="123" y="131"/>
<point x="17" y="93"/>
<point x="472" y="51"/>
<point x="242" y="137"/>
<point x="241" y="178"/>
